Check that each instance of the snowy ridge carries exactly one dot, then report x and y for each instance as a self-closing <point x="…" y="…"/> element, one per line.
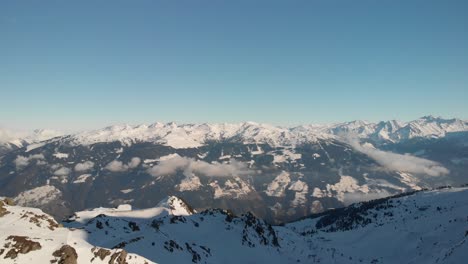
<point x="27" y="235"/>
<point x="395" y="131"/>
<point x="196" y="135"/>
<point x="24" y="138"/>
<point x="417" y="227"/>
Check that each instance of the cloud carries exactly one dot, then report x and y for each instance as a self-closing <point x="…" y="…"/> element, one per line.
<point x="398" y="162"/>
<point x="354" y="197"/>
<point x="191" y="166"/>
<point x="22" y="161"/>
<point x="63" y="171"/>
<point x="119" y="166"/>
<point x="134" y="162"/>
<point x="87" y="165"/>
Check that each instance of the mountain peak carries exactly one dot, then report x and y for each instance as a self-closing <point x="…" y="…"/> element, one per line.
<point x="176" y="205"/>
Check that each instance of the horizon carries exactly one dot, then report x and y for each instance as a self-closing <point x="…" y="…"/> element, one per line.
<point x="79" y="65"/>
<point x="24" y="131"/>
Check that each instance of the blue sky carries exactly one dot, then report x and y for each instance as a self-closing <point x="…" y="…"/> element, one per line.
<point x="87" y="64"/>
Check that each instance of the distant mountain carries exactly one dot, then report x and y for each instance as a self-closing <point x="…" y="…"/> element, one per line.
<point x="10" y="140"/>
<point x="396" y="131"/>
<point x="279" y="174"/>
<point x="416" y="227"/>
<point x="197" y="135"/>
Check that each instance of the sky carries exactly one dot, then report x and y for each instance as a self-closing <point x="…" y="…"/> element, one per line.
<point x="89" y="64"/>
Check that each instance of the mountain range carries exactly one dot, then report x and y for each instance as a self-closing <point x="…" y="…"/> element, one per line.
<point x="280" y="174"/>
<point x="428" y="226"/>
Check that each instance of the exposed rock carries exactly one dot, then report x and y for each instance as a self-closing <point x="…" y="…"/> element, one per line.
<point x="3" y="210"/>
<point x="22" y="245"/>
<point x="9" y="201"/>
<point x="66" y="255"/>
<point x="102" y="253"/>
<point x="38" y="220"/>
<point x="119" y="258"/>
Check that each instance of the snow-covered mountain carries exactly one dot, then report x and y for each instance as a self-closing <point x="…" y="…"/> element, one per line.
<point x="27" y="235"/>
<point x="11" y="139"/>
<point x="196" y="135"/>
<point x="396" y="131"/>
<point x="279" y="174"/>
<point x="418" y="227"/>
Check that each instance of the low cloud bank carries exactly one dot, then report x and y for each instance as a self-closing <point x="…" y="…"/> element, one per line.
<point x="85" y="166"/>
<point x="191" y="166"/>
<point x="119" y="166"/>
<point x="354" y="197"/>
<point x="22" y="161"/>
<point x="398" y="162"/>
<point x="63" y="171"/>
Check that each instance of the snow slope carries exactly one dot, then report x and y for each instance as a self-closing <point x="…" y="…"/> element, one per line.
<point x="196" y="135"/>
<point x="417" y="227"/>
<point x="27" y="235"/>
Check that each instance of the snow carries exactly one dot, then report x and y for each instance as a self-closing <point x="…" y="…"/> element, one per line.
<point x="38" y="196"/>
<point x="425" y="227"/>
<point x="287" y="155"/>
<point x="149" y="161"/>
<point x="346" y="184"/>
<point x="258" y="151"/>
<point x="277" y="187"/>
<point x="233" y="188"/>
<point x="22" y="161"/>
<point x="62" y="171"/>
<point x="196" y="135"/>
<point x="37" y="227"/>
<point x="34" y="146"/>
<point x="168" y="157"/>
<point x="82" y="178"/>
<point x="301" y="189"/>
<point x="59" y="155"/>
<point x="318" y="193"/>
<point x="20" y="138"/>
<point x="119" y="166"/>
<point x="409" y="180"/>
<point x="175" y="206"/>
<point x="84" y="166"/>
<point x="189" y="183"/>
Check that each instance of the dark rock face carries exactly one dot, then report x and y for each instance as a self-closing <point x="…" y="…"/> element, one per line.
<point x="20" y="245"/>
<point x="66" y="255"/>
<point x="3" y="209"/>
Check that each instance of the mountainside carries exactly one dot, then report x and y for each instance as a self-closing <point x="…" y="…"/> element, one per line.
<point x="278" y="174"/>
<point x="11" y="140"/>
<point x="417" y="227"/>
<point x="197" y="135"/>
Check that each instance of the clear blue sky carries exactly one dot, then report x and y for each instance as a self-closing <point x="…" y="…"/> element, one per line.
<point x="86" y="64"/>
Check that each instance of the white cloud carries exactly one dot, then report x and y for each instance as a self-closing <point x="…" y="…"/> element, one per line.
<point x="87" y="165"/>
<point x="354" y="197"/>
<point x="191" y="166"/>
<point x="22" y="161"/>
<point x="134" y="162"/>
<point x="63" y="171"/>
<point x="119" y="166"/>
<point x="116" y="166"/>
<point x="398" y="162"/>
